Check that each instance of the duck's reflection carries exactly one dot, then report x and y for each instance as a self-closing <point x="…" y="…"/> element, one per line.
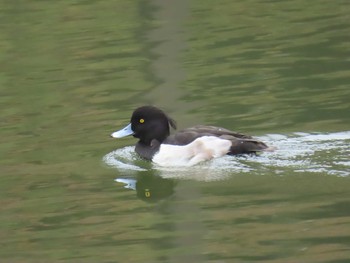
<point x="149" y="187"/>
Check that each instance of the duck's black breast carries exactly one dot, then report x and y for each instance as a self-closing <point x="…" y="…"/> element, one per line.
<point x="147" y="151"/>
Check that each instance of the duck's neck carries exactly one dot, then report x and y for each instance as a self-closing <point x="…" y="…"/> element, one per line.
<point x="152" y="141"/>
<point x="147" y="151"/>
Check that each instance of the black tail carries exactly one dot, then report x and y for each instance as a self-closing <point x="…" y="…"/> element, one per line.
<point x="241" y="146"/>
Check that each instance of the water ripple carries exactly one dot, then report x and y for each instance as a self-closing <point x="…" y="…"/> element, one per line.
<point x="324" y="153"/>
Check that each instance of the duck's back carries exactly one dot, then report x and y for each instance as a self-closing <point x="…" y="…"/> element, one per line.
<point x="241" y="143"/>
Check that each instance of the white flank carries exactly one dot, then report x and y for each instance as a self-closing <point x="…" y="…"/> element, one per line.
<point x="201" y="149"/>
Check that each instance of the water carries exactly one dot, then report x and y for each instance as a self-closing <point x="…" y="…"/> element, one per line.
<point x="72" y="73"/>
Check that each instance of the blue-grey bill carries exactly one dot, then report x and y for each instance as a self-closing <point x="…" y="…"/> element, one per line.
<point x="123" y="132"/>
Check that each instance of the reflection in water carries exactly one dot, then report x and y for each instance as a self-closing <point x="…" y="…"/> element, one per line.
<point x="168" y="41"/>
<point x="149" y="187"/>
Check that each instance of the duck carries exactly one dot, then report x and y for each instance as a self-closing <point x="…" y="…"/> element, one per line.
<point x="188" y="147"/>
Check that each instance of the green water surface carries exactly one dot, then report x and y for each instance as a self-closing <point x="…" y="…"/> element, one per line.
<point x="71" y="73"/>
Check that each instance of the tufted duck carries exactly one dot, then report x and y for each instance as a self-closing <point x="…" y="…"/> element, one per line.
<point x="187" y="147"/>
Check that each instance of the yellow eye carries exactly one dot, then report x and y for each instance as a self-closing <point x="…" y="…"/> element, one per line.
<point x="142" y="120"/>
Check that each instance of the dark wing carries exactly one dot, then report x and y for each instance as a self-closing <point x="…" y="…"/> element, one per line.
<point x="241" y="143"/>
<point x="216" y="131"/>
<point x="190" y="134"/>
